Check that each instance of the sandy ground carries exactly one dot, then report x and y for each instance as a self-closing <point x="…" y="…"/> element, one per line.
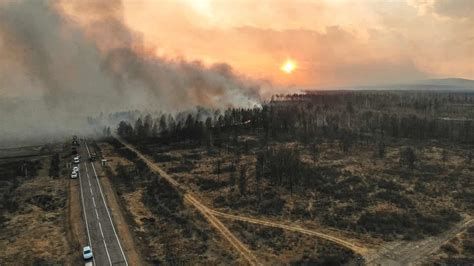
<point x="137" y="209"/>
<point x="416" y="252"/>
<point x="458" y="247"/>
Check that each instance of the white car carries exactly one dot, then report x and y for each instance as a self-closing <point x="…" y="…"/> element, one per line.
<point x="74" y="175"/>
<point x="75" y="168"/>
<point x="87" y="253"/>
<point x="76" y="160"/>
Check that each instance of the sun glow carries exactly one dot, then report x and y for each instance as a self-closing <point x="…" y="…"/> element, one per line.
<point x="288" y="67"/>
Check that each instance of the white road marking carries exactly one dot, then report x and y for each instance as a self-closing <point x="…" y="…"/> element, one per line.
<point x="101" y="232"/>
<point x="98" y="220"/>
<point x="85" y="217"/>
<point x="105" y="204"/>
<point x="105" y="244"/>
<point x="93" y="201"/>
<point x="89" y="180"/>
<point x="107" y="251"/>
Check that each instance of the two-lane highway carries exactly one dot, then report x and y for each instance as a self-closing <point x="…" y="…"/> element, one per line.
<point x="100" y="228"/>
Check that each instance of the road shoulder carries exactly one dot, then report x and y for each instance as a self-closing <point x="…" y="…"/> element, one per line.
<point x="77" y="228"/>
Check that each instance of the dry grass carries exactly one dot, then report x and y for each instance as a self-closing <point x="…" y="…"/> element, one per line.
<point x="37" y="230"/>
<point x="182" y="236"/>
<point x="428" y="187"/>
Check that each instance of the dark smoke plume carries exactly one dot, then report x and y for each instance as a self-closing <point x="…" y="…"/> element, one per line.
<point x="61" y="61"/>
<point x="21" y="34"/>
<point x="126" y="59"/>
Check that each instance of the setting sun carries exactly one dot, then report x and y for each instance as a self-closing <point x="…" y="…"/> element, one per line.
<point x="288" y="67"/>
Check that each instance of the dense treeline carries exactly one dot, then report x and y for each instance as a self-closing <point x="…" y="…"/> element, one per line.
<point x="346" y="116"/>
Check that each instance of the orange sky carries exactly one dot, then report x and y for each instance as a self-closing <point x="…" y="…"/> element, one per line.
<point x="333" y="42"/>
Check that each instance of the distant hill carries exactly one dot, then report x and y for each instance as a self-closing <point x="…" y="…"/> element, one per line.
<point x="447" y="84"/>
<point x="450" y="82"/>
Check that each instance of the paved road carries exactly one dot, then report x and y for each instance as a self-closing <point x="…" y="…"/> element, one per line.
<point x="101" y="232"/>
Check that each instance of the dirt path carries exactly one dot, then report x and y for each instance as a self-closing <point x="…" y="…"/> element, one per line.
<point x="206" y="212"/>
<point x="355" y="248"/>
<point x="393" y="253"/>
<point x="414" y="253"/>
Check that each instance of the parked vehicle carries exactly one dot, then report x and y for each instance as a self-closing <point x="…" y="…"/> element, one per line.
<point x="87" y="253"/>
<point x="74" y="175"/>
<point x="75" y="168"/>
<point x="76" y="160"/>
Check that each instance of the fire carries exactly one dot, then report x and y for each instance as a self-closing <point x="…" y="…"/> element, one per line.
<point x="288" y="67"/>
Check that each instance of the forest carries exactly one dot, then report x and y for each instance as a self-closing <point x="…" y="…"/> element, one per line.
<point x="390" y="164"/>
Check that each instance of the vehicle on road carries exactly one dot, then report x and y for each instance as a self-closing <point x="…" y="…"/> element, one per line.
<point x="74" y="175"/>
<point x="75" y="168"/>
<point x="75" y="141"/>
<point x="93" y="156"/>
<point x="76" y="160"/>
<point x="87" y="253"/>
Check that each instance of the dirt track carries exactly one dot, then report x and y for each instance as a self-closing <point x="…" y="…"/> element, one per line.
<point x="355" y="248"/>
<point x="206" y="212"/>
<point x="399" y="253"/>
<point x="239" y="246"/>
<point x="414" y="253"/>
<point x="210" y="215"/>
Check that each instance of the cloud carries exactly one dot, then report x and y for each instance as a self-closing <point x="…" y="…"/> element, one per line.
<point x="454" y="8"/>
<point x="332" y="57"/>
<point x="409" y="37"/>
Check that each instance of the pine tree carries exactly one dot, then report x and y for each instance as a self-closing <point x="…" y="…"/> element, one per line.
<point x="259" y="165"/>
<point x="139" y="129"/>
<point x="408" y="157"/>
<point x="243" y="180"/>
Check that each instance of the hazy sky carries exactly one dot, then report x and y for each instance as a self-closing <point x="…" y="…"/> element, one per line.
<point x="63" y="60"/>
<point x="333" y="42"/>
